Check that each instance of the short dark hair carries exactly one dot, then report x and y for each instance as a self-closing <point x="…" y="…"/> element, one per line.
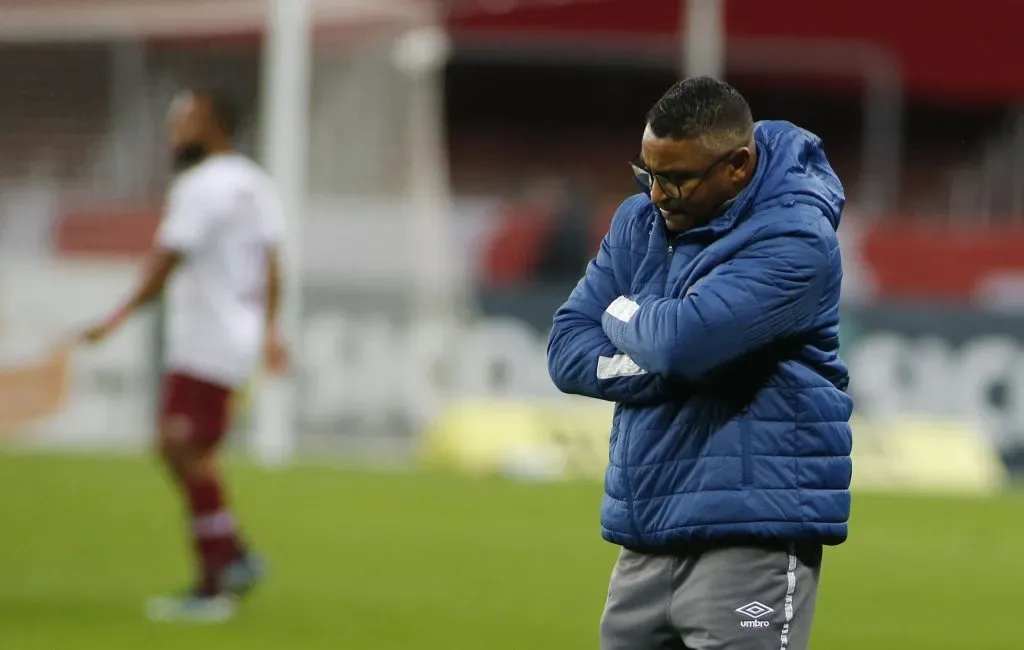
<point x="701" y="107"/>
<point x="222" y="109"/>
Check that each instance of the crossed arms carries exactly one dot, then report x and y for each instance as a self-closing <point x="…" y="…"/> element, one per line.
<point x="637" y="350"/>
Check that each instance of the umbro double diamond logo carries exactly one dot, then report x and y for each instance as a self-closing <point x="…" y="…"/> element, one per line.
<point x="755" y="611"/>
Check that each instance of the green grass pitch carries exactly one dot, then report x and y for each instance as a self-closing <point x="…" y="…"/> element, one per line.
<point x="375" y="561"/>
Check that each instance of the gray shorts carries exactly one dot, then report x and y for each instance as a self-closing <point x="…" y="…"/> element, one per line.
<point x="727" y="598"/>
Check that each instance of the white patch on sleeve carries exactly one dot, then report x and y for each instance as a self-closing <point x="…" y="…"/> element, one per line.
<point x="618" y="366"/>
<point x="623" y="309"/>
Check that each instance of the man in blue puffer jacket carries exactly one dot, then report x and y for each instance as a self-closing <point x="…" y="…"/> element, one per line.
<point x="711" y="318"/>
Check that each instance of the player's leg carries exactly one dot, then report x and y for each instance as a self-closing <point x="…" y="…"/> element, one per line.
<point x="225" y="565"/>
<point x="747" y="598"/>
<point x="636" y="613"/>
<point x="172" y="427"/>
<point x="215" y="532"/>
<point x="194" y="425"/>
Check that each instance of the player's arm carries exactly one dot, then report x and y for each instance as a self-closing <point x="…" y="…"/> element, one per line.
<point x="273" y="287"/>
<point x="581" y="358"/>
<point x="276" y="355"/>
<point x="182" y="230"/>
<point x="272" y="233"/>
<point x="767" y="292"/>
<point x="154" y="278"/>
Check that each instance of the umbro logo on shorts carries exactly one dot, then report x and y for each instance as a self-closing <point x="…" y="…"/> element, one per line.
<point x="755" y="611"/>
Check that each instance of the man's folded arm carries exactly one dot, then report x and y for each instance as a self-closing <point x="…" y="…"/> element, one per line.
<point x="767" y="292"/>
<point x="581" y="359"/>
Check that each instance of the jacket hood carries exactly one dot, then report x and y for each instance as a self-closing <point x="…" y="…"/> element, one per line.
<point x="793" y="168"/>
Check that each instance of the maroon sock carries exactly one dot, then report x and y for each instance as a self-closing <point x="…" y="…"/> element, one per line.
<point x="213" y="531"/>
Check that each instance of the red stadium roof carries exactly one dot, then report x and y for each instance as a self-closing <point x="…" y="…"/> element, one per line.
<point x="28" y="20"/>
<point x="941" y="48"/>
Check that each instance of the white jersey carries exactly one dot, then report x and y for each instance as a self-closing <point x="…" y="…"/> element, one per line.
<point x="222" y="215"/>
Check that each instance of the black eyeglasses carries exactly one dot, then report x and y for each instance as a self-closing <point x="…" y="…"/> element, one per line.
<point x="671" y="183"/>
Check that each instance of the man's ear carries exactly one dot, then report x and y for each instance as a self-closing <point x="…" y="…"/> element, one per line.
<point x="739" y="163"/>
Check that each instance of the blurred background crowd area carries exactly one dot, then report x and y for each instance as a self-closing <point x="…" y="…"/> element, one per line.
<point x="464" y="159"/>
<point x="543" y="103"/>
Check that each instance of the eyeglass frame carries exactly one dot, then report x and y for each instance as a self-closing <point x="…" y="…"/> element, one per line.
<point x="640" y="171"/>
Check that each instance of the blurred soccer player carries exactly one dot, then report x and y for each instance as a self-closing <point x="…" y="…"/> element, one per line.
<point x="217" y="252"/>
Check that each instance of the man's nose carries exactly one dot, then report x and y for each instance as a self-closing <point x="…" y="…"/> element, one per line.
<point x="657" y="194"/>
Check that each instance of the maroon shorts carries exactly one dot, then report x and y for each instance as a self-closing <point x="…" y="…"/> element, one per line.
<point x="196" y="409"/>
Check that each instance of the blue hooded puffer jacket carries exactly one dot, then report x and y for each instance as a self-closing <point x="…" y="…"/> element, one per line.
<point x="720" y="347"/>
